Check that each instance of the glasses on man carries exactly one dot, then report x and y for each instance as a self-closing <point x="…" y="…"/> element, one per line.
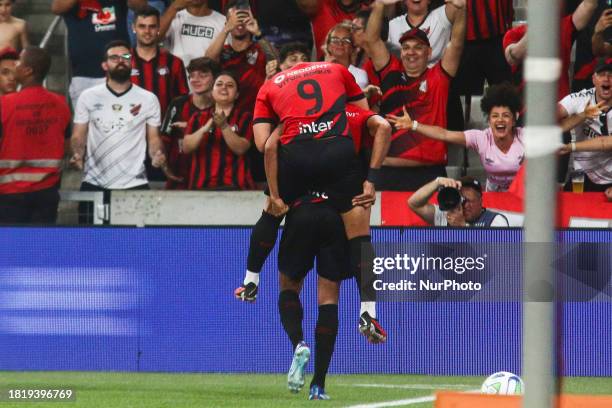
<point x="119" y="57"/>
<point x="356" y="27"/>
<point x="341" y="40"/>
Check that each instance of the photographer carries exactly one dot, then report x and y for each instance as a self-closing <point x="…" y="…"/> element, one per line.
<point x="460" y="204"/>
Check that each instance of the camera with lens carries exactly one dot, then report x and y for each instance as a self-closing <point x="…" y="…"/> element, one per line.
<point x="449" y="198"/>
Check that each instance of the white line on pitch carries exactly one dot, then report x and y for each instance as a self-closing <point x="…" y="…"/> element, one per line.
<point x="399" y="403"/>
<point x="411" y="386"/>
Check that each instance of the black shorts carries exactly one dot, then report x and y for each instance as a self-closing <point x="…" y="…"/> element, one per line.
<point x="324" y="166"/>
<point x="314" y="231"/>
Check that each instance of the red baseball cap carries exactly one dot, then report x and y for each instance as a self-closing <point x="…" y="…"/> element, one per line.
<point x="416" y="34"/>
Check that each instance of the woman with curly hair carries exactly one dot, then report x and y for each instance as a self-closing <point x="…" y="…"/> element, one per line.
<point x="501" y="146"/>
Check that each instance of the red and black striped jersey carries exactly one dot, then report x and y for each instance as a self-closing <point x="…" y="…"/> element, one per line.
<point x="358" y="124"/>
<point x="181" y="109"/>
<point x="164" y="75"/>
<point x="309" y="99"/>
<point x="214" y="165"/>
<point x="488" y="18"/>
<point x="425" y="99"/>
<point x="249" y="66"/>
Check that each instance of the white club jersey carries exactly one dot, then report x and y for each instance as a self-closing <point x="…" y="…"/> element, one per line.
<point x="116" y="136"/>
<point x="436" y="25"/>
<point x="190" y="36"/>
<point x="596" y="165"/>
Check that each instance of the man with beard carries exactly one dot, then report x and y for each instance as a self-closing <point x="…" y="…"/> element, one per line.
<point x="155" y="69"/>
<point x="115" y="122"/>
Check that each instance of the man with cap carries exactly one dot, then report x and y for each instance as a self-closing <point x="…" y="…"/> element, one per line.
<point x="596" y="165"/>
<point x="409" y="83"/>
<point x="459" y="204"/>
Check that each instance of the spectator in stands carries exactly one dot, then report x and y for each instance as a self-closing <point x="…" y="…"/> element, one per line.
<point x="324" y="14"/>
<point x="115" y="122"/>
<point x="13" y="30"/>
<point x="189" y="27"/>
<point x="469" y="212"/>
<point x="483" y="56"/>
<point x="282" y="22"/>
<point x="160" y="6"/>
<point x="339" y="48"/>
<point x="501" y="146"/>
<point x="409" y="83"/>
<point x="202" y="72"/>
<point x="597" y="165"/>
<point x="515" y="45"/>
<point x="8" y="67"/>
<point x="601" y="45"/>
<point x="219" y="137"/>
<point x="290" y="54"/>
<point x="155" y="69"/>
<point x="436" y="24"/>
<point x="33" y="125"/>
<point x="91" y="25"/>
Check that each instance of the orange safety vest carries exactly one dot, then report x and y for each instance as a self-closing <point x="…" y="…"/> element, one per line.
<point x="34" y="123"/>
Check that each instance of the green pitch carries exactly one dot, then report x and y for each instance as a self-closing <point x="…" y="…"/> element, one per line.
<point x="119" y="390"/>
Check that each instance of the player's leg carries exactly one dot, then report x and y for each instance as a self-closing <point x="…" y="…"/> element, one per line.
<point x="263" y="239"/>
<point x="361" y="255"/>
<point x="326" y="332"/>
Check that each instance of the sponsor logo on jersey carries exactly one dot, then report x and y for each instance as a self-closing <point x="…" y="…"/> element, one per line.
<point x="98" y="106"/>
<point x="135" y="109"/>
<point x="117" y="107"/>
<point x="315" y="127"/>
<point x="279" y="78"/>
<point x="319" y="194"/>
<point x="198" y="31"/>
<point x="104" y="20"/>
<point x="163" y="71"/>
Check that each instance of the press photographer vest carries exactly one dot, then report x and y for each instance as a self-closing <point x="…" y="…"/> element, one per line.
<point x="486" y="218"/>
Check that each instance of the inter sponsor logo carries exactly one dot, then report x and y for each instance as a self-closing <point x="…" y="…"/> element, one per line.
<point x="198" y="31"/>
<point x="315" y="127"/>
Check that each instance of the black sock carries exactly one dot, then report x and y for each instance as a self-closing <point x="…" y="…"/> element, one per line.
<point x="325" y="339"/>
<point x="291" y="314"/>
<point x="362" y="255"/>
<point x="263" y="238"/>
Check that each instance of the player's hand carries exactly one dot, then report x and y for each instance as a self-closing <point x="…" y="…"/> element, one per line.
<point x="220" y="119"/>
<point x="277" y="207"/>
<point x="158" y="160"/>
<point x="372" y="90"/>
<point x="401" y="122"/>
<point x="179" y="125"/>
<point x="367" y="198"/>
<point x="76" y="161"/>
<point x="170" y="175"/>
<point x="594" y="111"/>
<point x="448" y="182"/>
<point x="251" y="24"/>
<point x="271" y="68"/>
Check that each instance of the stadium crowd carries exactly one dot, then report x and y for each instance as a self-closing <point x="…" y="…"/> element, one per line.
<point x="165" y="91"/>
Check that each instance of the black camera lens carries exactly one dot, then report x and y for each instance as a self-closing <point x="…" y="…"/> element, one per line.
<point x="448" y="198"/>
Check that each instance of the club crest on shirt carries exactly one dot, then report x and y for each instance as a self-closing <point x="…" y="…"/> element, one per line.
<point x="252" y="56"/>
<point x="135" y="109"/>
<point x="163" y="71"/>
<point x="106" y="16"/>
<point x="117" y="107"/>
<point x="98" y="106"/>
<point x="423" y="86"/>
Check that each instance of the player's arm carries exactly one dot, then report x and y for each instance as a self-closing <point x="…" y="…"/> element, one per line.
<point x="433" y="132"/>
<point x="373" y="45"/>
<point x="516" y="52"/>
<point x="583" y="13"/>
<point x="277" y="206"/>
<point x="452" y="55"/>
<point x="78" y="142"/>
<point x="59" y="7"/>
<point x="599" y="45"/>
<point x="309" y="7"/>
<point x="192" y="139"/>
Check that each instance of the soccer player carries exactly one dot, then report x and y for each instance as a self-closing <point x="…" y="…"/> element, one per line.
<point x="355" y="211"/>
<point x="313" y="229"/>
